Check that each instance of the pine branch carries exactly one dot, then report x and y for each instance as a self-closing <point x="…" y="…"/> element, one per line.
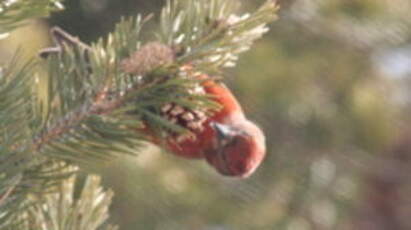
<point x="95" y="108"/>
<point x="66" y="211"/>
<point x="22" y="171"/>
<point x="25" y="173"/>
<point x="209" y="33"/>
<point x="77" y="126"/>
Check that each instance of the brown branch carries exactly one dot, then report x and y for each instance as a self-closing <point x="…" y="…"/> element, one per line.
<point x="102" y="105"/>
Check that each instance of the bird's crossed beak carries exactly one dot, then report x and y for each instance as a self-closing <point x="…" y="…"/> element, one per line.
<point x="224" y="132"/>
<point x="224" y="135"/>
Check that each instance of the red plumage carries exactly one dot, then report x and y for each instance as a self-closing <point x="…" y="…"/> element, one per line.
<point x="228" y="141"/>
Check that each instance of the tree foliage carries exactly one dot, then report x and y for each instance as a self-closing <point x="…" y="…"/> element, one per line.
<point x="13" y="13"/>
<point x="94" y="109"/>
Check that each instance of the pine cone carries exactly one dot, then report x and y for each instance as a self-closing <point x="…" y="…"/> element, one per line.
<point x="150" y="56"/>
<point x="192" y="120"/>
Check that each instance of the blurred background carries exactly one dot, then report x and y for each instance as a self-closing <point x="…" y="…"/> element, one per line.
<point x="330" y="85"/>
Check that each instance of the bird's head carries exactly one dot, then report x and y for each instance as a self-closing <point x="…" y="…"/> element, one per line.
<point x="238" y="148"/>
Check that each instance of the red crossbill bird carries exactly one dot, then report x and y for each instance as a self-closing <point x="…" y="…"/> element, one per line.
<point x="227" y="140"/>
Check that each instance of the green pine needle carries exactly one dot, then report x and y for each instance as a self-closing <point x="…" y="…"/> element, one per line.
<point x="13" y="13"/>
